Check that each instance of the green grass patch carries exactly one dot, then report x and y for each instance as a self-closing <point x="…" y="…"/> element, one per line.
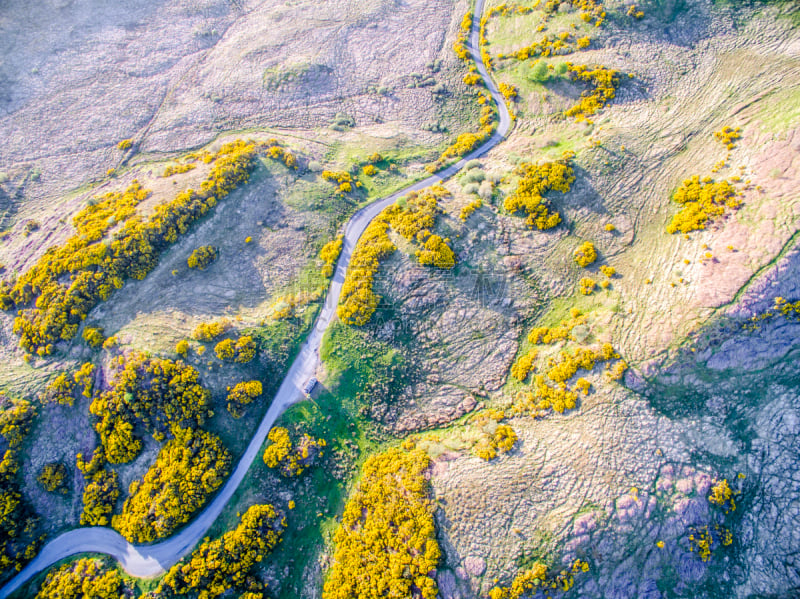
<point x="360" y="371"/>
<point x="780" y="111"/>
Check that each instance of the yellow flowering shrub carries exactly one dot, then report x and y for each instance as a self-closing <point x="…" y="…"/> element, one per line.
<point x="722" y="496"/>
<point x="216" y="567"/>
<point x="244" y="349"/>
<point x="329" y="254"/>
<point x="149" y="394"/>
<point x="603" y="82"/>
<point x="413" y="221"/>
<point x="460" y="45"/>
<point x="125" y="144"/>
<point x="93" y="336"/>
<point x="436" y="252"/>
<point x="701" y="200"/>
<point x="241" y="395"/>
<point x="52" y="477"/>
<point x="468" y="141"/>
<point x="524" y="365"/>
<point x="19" y="538"/>
<point x="635" y="12"/>
<point x="549" y="389"/>
<point x="386" y="543"/>
<point x="535" y="180"/>
<point x="728" y="136"/>
<point x="111" y="244"/>
<point x="587" y="285"/>
<point x="291" y="459"/>
<point x="188" y="469"/>
<point x="101" y="489"/>
<point x="608" y="271"/>
<point x="289" y="306"/>
<point x="472" y="79"/>
<point x="225" y="350"/>
<point x="208" y="331"/>
<point x="491" y="444"/>
<point x="510" y="92"/>
<point x="617" y="371"/>
<point x="182" y="348"/>
<point x="342" y="178"/>
<point x="467" y="210"/>
<point x="83" y="579"/>
<point x="276" y="152"/>
<point x="178" y="169"/>
<point x="537" y="578"/>
<point x="202" y="257"/>
<point x="586" y="254"/>
<point x="64" y="387"/>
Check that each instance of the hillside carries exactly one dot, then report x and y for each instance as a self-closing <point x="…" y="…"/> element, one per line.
<point x="563" y="367"/>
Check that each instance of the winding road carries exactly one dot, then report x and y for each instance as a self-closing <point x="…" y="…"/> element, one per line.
<point x="151" y="560"/>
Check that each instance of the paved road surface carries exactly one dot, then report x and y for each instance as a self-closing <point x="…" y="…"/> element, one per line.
<point x="151" y="560"/>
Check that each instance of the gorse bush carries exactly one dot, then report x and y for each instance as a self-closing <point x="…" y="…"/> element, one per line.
<point x="608" y="271"/>
<point x="460" y="45"/>
<point x="276" y="152"/>
<point x="386" y="543"/>
<point x="585" y="254"/>
<point x="178" y="169"/>
<point x="52" y="477"/>
<point x="64" y="388"/>
<point x="701" y="201"/>
<point x="19" y="540"/>
<point x="202" y="257"/>
<point x="329" y="254"/>
<point x="291" y="459"/>
<point x="357" y="301"/>
<point x="728" y="136"/>
<point x="182" y="348"/>
<point x="466" y="142"/>
<point x="242" y="350"/>
<point x="101" y="489"/>
<point x="208" y="331"/>
<point x="290" y="305"/>
<point x="412" y="220"/>
<point x="587" y="285"/>
<point x="188" y="469"/>
<point x="550" y="389"/>
<point x="509" y="91"/>
<point x="604" y="84"/>
<point x="83" y="579"/>
<point x="225" y="350"/>
<point x="470" y="208"/>
<point x="112" y="244"/>
<point x="242" y="395"/>
<point x="634" y="12"/>
<point x="342" y="178"/>
<point x="93" y="336"/>
<point x="156" y="395"/>
<point x="472" y="79"/>
<point x="495" y="439"/>
<point x="722" y="496"/>
<point x="524" y="365"/>
<point x="216" y="567"/>
<point x="537" y="578"/>
<point x="534" y="181"/>
<point x="436" y="252"/>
